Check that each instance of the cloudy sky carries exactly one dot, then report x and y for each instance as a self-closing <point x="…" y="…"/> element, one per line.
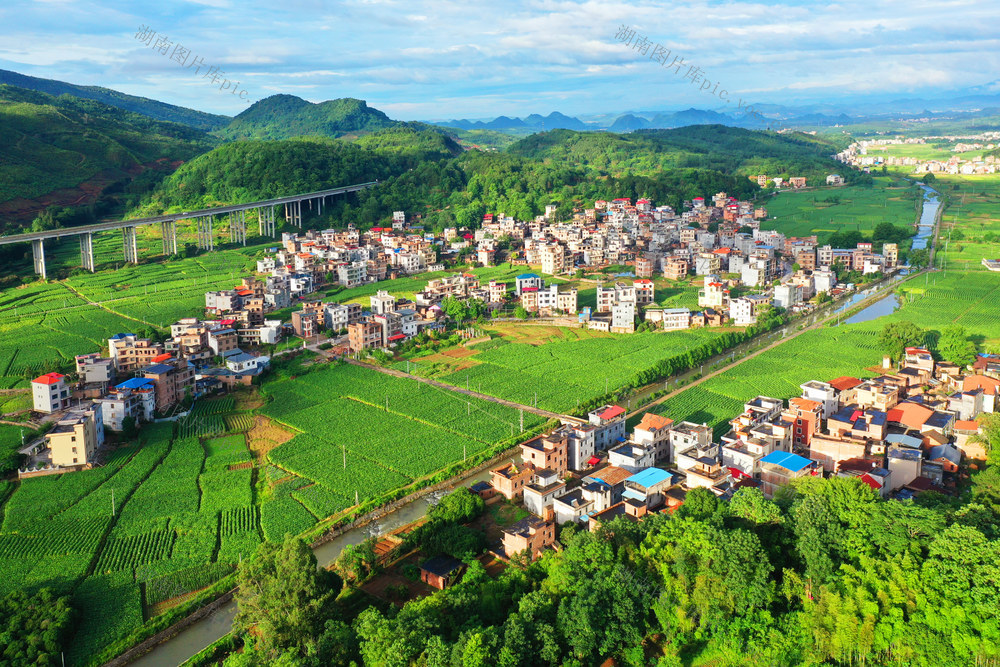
<point x="418" y="59"/>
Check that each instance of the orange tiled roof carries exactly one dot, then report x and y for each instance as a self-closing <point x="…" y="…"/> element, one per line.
<point x="803" y="403"/>
<point x="911" y="415"/>
<point x="651" y="422"/>
<point x="987" y="384"/>
<point x="611" y="475"/>
<point x="844" y="383"/>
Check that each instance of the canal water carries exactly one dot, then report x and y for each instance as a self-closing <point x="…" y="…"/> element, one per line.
<point x="925" y="226"/>
<point x="204" y="632"/>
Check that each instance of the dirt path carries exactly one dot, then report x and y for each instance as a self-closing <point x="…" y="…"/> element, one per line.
<point x="467" y="392"/>
<point x="105" y="308"/>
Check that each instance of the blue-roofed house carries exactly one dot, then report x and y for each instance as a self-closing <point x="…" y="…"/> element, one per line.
<point x="779" y="468"/>
<point x="948" y="455"/>
<point x="648" y="486"/>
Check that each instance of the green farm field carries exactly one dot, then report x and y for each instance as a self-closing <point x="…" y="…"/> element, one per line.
<point x="390" y="431"/>
<point x="971" y="222"/>
<point x="161" y="517"/>
<point x="928" y="151"/>
<point x="559" y="367"/>
<point x="44" y="325"/>
<point x="828" y="210"/>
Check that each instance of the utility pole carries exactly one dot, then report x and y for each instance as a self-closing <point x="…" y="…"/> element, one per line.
<point x="344" y="448"/>
<point x="112" y="502"/>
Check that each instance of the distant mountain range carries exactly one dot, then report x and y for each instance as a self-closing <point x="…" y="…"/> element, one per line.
<point x="632" y="121"/>
<point x="537" y="122"/>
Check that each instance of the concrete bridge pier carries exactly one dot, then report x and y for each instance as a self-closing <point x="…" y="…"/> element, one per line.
<point x="298" y="214"/>
<point x="128" y="241"/>
<point x="38" y="251"/>
<point x="206" y="239"/>
<point x="87" y="251"/>
<point x="168" y="229"/>
<point x="238" y="227"/>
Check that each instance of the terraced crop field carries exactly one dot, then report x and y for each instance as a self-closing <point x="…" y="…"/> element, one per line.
<point x="167" y="516"/>
<point x="819" y="354"/>
<point x="365" y="433"/>
<point x="563" y="367"/>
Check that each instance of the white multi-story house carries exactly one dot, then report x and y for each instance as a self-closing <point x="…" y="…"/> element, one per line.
<point x="675" y="318"/>
<point x="823" y="393"/>
<point x="623" y="317"/>
<point x="50" y="393"/>
<point x="352" y="274"/>
<point x="744" y="310"/>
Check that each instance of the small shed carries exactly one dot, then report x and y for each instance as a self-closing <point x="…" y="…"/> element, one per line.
<point x="441" y="571"/>
<point x="484" y="490"/>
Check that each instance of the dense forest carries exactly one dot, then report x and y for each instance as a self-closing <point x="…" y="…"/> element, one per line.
<point x="826" y="573"/>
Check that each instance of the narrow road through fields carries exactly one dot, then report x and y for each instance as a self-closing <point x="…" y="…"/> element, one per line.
<point x="103" y="307"/>
<point x="467" y="392"/>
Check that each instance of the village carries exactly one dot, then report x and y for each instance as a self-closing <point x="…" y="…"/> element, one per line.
<point x="720" y="243"/>
<point x="868" y="153"/>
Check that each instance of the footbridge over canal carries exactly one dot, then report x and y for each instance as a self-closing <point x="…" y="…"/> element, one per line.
<point x="206" y="238"/>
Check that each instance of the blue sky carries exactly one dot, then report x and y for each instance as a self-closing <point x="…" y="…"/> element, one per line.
<point x="418" y="59"/>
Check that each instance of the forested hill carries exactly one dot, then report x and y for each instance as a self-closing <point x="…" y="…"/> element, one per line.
<point x="287" y="116"/>
<point x="69" y="150"/>
<point x="715" y="147"/>
<point x="199" y="120"/>
<point x="244" y="171"/>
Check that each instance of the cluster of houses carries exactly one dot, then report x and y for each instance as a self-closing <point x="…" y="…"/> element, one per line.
<point x="777" y="182"/>
<point x="138" y="380"/>
<point x="708" y="238"/>
<point x="901" y="433"/>
<point x="866" y="154"/>
<point x="349" y="257"/>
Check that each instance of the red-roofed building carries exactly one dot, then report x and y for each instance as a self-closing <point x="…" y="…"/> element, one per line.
<point x="643" y="291"/>
<point x="844" y="383"/>
<point x="50" y="393"/>
<point x="609" y="421"/>
<point x="160" y="358"/>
